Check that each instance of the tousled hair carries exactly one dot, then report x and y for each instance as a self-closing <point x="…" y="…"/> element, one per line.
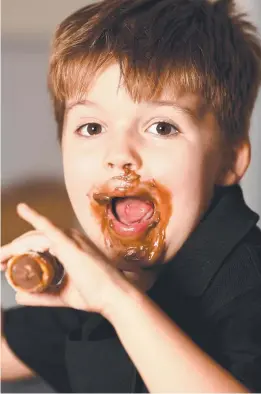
<point x="196" y="46"/>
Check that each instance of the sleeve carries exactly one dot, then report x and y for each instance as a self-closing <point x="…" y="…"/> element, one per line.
<point x="37" y="336"/>
<point x="238" y="339"/>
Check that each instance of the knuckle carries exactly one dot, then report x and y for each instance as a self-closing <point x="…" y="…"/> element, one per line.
<point x="28" y="234"/>
<point x="43" y="222"/>
<point x="30" y="242"/>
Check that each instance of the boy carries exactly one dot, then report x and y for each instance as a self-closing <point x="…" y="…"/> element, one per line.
<point x="153" y="102"/>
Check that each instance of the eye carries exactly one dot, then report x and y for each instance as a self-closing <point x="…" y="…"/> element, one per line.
<point x="163" y="128"/>
<point x="90" y="129"/>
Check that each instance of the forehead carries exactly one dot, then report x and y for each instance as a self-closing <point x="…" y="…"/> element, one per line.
<point x="108" y="90"/>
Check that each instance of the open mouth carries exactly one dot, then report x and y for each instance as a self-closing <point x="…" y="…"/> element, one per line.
<point x="131" y="215"/>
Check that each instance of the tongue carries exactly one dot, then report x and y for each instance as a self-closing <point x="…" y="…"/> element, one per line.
<point x="132" y="210"/>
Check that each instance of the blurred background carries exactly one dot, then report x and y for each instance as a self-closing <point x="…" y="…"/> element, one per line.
<point x="31" y="160"/>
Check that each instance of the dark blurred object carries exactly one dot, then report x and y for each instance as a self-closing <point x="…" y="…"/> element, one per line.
<point x="48" y="197"/>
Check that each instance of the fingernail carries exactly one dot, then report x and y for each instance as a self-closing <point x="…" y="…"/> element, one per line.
<point x="20" y="298"/>
<point x="22" y="207"/>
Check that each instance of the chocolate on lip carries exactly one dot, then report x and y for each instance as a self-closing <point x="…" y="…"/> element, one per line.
<point x="121" y="192"/>
<point x="137" y="241"/>
<point x="106" y="199"/>
<point x="128" y="185"/>
<point x="124" y="185"/>
<point x="102" y="198"/>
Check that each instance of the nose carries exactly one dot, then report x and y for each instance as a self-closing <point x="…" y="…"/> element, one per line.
<point x="122" y="154"/>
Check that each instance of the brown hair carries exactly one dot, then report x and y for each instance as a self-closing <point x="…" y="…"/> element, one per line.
<point x="200" y="46"/>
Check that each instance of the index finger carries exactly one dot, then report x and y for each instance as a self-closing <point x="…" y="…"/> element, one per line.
<point x="61" y="244"/>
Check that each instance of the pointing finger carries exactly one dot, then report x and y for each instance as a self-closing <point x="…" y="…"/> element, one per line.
<point x="62" y="245"/>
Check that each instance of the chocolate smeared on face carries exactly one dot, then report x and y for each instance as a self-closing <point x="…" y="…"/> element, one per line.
<point x="102" y="198"/>
<point x="133" y="216"/>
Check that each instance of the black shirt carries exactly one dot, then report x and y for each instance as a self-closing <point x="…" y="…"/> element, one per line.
<point x="211" y="289"/>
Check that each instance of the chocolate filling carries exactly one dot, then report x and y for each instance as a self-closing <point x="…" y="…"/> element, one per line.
<point x="26" y="273"/>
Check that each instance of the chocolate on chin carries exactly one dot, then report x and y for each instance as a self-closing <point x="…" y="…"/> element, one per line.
<point x="133" y="216"/>
<point x="34" y="272"/>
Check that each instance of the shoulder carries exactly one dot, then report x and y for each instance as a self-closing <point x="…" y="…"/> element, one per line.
<point x="234" y="306"/>
<point x="252" y="243"/>
<point x="239" y="275"/>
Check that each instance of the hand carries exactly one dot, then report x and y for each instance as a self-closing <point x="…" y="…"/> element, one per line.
<point x="30" y="241"/>
<point x="91" y="282"/>
<point x="36" y="241"/>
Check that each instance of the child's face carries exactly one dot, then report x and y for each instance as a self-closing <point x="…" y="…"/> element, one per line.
<point x="185" y="164"/>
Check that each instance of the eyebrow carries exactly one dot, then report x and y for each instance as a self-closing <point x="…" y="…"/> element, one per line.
<point x="193" y="114"/>
<point x="75" y="103"/>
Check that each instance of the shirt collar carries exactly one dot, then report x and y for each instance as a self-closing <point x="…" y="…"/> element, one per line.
<point x="225" y="224"/>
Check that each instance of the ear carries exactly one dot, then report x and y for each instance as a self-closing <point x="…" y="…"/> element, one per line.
<point x="238" y="166"/>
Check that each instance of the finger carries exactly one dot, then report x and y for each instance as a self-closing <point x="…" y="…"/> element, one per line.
<point x="37" y="243"/>
<point x="5" y="252"/>
<point x="29" y="233"/>
<point x="41" y="223"/>
<point x="85" y="243"/>
<point x="73" y="234"/>
<point x="51" y="300"/>
<point x="61" y="244"/>
<point x="78" y="238"/>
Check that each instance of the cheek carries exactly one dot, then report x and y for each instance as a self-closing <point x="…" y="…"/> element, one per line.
<point x="188" y="171"/>
<point x="79" y="173"/>
<point x="79" y="180"/>
<point x="179" y="168"/>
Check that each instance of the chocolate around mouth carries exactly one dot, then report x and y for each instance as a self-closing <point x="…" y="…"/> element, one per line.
<point x="109" y="202"/>
<point x="146" y="244"/>
<point x="142" y="216"/>
<point x="102" y="198"/>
